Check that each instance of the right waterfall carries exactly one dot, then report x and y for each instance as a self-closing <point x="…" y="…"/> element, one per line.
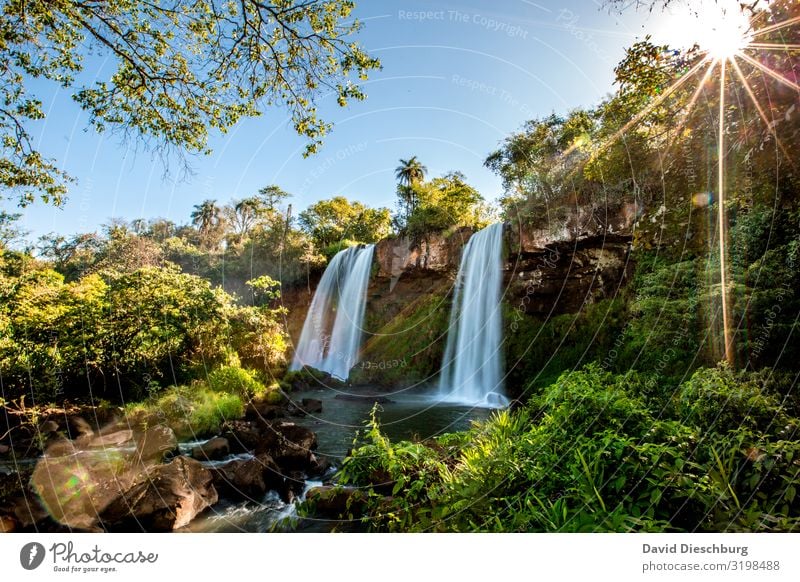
<point x="472" y="368"/>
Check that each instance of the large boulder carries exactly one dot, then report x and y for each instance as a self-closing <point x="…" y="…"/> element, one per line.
<point x="212" y="450"/>
<point x="164" y="498"/>
<point x="248" y="479"/>
<point x="312" y="405"/>
<point x="242" y="435"/>
<point x="156" y="443"/>
<point x="292" y="449"/>
<point x="289" y="444"/>
<point x="77" y="481"/>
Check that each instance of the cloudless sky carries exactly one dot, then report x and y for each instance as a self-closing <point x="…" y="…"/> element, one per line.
<point x="454" y="83"/>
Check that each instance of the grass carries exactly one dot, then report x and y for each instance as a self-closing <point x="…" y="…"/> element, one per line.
<point x="199" y="409"/>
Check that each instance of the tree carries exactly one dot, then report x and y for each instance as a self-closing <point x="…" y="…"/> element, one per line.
<point x="207" y="217"/>
<point x="410" y="174"/>
<point x="410" y="171"/>
<point x="182" y="69"/>
<point x="243" y="216"/>
<point x="9" y="231"/>
<point x="338" y="219"/>
<point x="271" y="197"/>
<point x="445" y="202"/>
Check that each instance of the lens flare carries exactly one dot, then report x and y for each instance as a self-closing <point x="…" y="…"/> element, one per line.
<point x="727" y="31"/>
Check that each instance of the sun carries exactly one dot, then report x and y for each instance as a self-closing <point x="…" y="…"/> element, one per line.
<point x="727" y="30"/>
<point x="719" y="27"/>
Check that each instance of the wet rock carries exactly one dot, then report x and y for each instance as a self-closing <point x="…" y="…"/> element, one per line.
<point x="295" y="410"/>
<point x="28" y="511"/>
<point x="212" y="450"/>
<point x="289" y="444"/>
<point x="164" y="498"/>
<point x="248" y="479"/>
<point x="113" y="439"/>
<point x="78" y="427"/>
<point x="262" y="410"/>
<point x="295" y="484"/>
<point x="318" y="466"/>
<point x="48" y="427"/>
<point x="312" y="405"/>
<point x="242" y="435"/>
<point x="156" y="443"/>
<point x="293" y="446"/>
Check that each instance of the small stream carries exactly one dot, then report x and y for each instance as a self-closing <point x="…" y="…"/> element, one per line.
<point x="404" y="416"/>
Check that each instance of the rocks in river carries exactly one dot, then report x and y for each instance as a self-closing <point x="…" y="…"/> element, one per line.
<point x="113" y="439"/>
<point x="318" y="466"/>
<point x="304" y="407"/>
<point x="248" y="479"/>
<point x="77" y="480"/>
<point x="164" y="498"/>
<point x="312" y="405"/>
<point x="294" y="446"/>
<point x="262" y="410"/>
<point x="156" y="443"/>
<point x="4" y="449"/>
<point x="289" y="444"/>
<point x="212" y="450"/>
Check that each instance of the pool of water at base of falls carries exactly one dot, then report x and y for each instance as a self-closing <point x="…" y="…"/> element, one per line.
<point x="402" y="415"/>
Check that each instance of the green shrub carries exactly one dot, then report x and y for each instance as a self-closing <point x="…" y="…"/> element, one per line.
<point x="235" y="380"/>
<point x="587" y="455"/>
<point x="191" y="411"/>
<point x="715" y="399"/>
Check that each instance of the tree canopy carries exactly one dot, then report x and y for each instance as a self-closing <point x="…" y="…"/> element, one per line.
<point x="182" y="69"/>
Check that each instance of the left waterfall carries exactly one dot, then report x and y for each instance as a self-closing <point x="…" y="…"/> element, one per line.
<point x="332" y="332"/>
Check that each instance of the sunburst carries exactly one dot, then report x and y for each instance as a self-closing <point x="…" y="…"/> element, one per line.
<point x="726" y="35"/>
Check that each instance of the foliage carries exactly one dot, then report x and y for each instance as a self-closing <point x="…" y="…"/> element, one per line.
<point x="235" y="380"/>
<point x="329" y="222"/>
<point x="584" y="455"/>
<point x="192" y="411"/>
<point x="439" y="204"/>
<point x="119" y="331"/>
<point x="181" y="70"/>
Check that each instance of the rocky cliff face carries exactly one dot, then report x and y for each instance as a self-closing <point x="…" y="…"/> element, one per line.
<point x="579" y="260"/>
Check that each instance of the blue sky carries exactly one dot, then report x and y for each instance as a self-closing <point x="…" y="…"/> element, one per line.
<point x="457" y="78"/>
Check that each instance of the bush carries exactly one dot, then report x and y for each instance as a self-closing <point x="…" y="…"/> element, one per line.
<point x="235" y="380"/>
<point x="717" y="400"/>
<point x="587" y="455"/>
<point x="192" y="411"/>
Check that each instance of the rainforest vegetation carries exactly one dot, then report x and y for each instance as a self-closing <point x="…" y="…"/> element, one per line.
<point x="655" y="413"/>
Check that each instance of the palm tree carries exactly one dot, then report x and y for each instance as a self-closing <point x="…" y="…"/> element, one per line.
<point x="410" y="172"/>
<point x="206" y="217"/>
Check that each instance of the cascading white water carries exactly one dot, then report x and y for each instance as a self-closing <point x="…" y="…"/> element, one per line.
<point x="472" y="368"/>
<point x="331" y="336"/>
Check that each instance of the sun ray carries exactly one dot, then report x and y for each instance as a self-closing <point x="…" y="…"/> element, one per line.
<point x="760" y="109"/>
<point x="693" y="101"/>
<point x="723" y="222"/>
<point x="770" y="72"/>
<point x="770" y="46"/>
<point x="776" y="26"/>
<point x="647" y="110"/>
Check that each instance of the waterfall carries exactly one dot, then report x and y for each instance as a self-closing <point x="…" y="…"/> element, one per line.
<point x="331" y="335"/>
<point x="472" y="368"/>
